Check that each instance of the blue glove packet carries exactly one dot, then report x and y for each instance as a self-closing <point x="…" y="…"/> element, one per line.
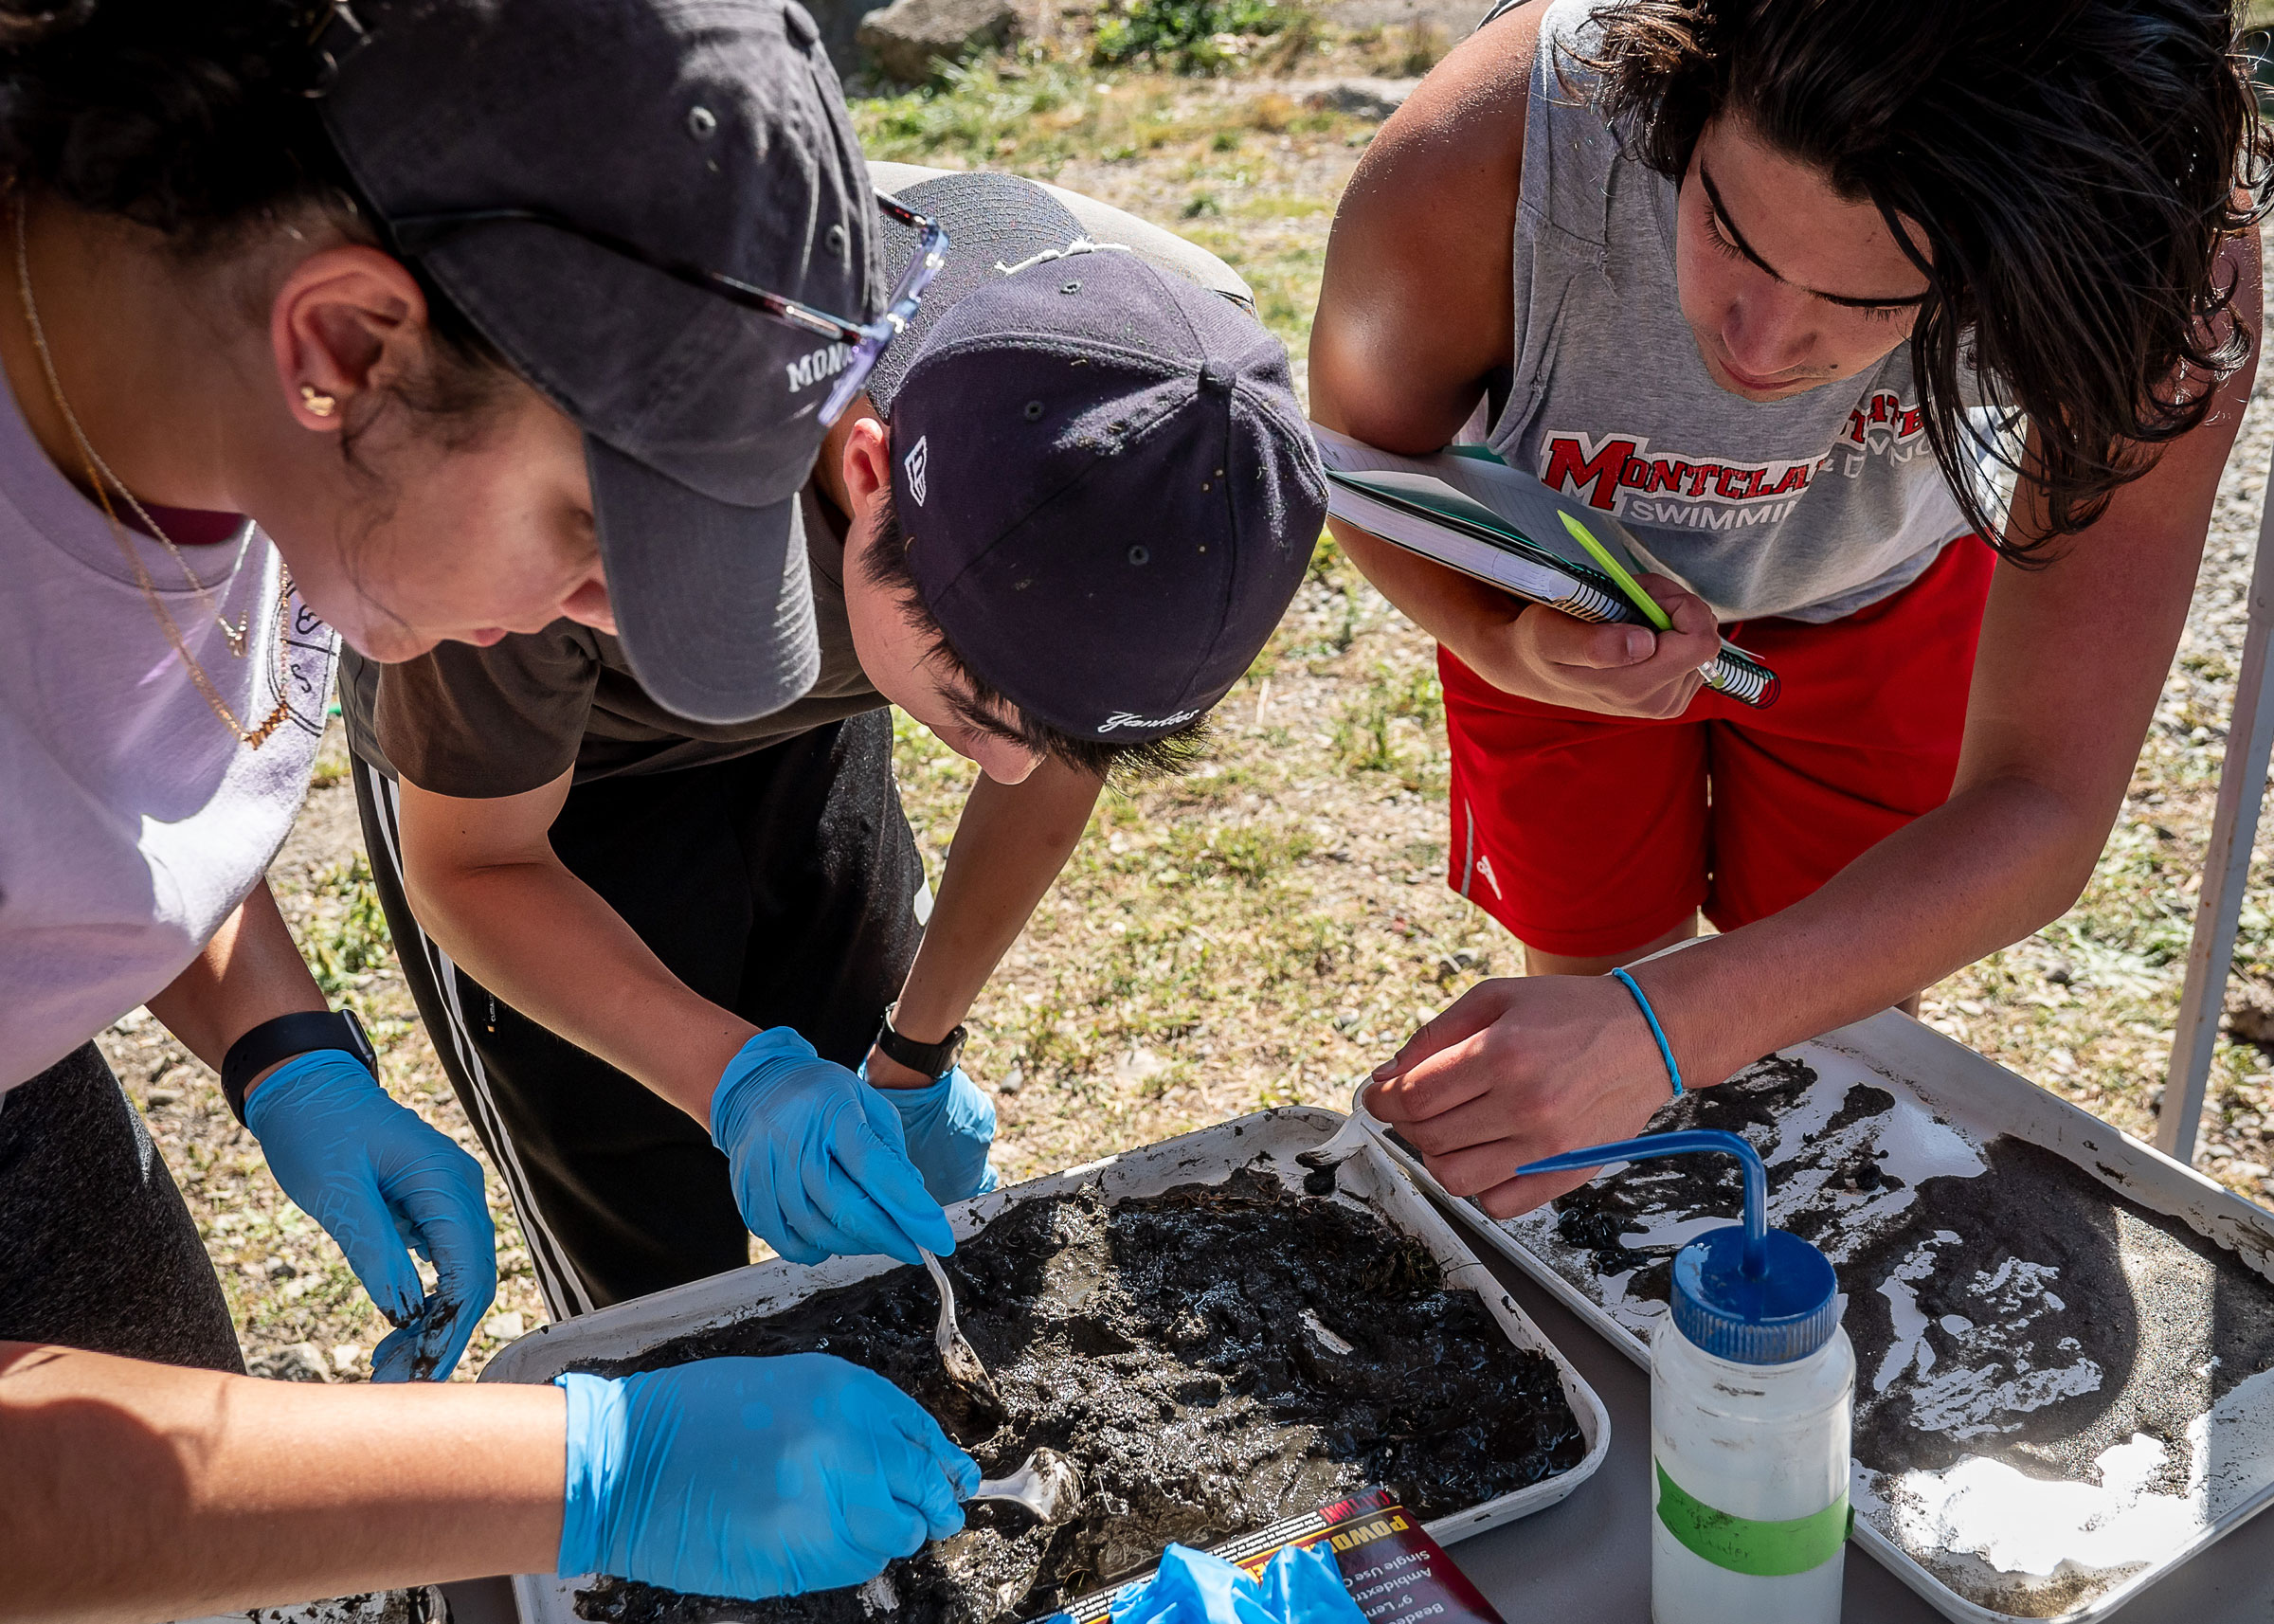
<point x="950" y="1127"/>
<point x="1299" y="1586"/>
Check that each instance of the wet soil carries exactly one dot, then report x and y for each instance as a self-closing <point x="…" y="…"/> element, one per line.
<point x="2029" y="1314"/>
<point x="1212" y="1359"/>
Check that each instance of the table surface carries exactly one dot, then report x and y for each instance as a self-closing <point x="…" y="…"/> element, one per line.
<point x="1588" y="1558"/>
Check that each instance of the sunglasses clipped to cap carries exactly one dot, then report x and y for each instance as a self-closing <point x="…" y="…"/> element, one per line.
<point x="416" y="234"/>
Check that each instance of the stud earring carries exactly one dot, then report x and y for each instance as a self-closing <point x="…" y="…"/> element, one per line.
<point x="317" y="402"/>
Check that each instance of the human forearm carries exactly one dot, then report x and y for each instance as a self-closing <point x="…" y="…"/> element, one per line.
<point x="141" y="1491"/>
<point x="546" y="943"/>
<point x="249" y="972"/>
<point x="1998" y="861"/>
<point x="1466" y="615"/>
<point x="1009" y="845"/>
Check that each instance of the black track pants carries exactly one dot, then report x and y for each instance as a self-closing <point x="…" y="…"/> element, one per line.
<point x="100" y="1253"/>
<point x="781" y="885"/>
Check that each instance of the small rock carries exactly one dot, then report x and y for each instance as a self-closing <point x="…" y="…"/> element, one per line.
<point x="2251" y="1011"/>
<point x="505" y="1328"/>
<point x="160" y="1098"/>
<point x="298" y="1362"/>
<point x="1011" y="1081"/>
<point x="346" y="1357"/>
<point x="1374" y="98"/>
<point x="910" y="38"/>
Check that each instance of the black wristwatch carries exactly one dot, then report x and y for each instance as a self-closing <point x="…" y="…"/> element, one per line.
<point x="280" y="1039"/>
<point x="935" y="1060"/>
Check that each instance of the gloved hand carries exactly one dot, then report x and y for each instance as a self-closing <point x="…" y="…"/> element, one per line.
<point x="949" y="1128"/>
<point x="382" y="1182"/>
<point x="753" y="1477"/>
<point x="818" y="1163"/>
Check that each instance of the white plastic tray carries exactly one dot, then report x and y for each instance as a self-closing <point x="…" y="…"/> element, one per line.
<point x="1268" y="1139"/>
<point x="1941" y="1087"/>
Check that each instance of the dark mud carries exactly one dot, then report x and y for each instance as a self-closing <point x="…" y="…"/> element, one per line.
<point x="1212" y="1359"/>
<point x="2029" y="1314"/>
<point x="1594" y="1217"/>
<point x="2035" y="1316"/>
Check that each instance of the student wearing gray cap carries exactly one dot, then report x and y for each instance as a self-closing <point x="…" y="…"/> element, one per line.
<point x="441" y="319"/>
<point x="1069" y="507"/>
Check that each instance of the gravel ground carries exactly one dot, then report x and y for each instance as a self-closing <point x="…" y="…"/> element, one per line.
<point x="1266" y="929"/>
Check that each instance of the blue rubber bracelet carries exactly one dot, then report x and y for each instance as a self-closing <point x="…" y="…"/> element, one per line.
<point x="1666" y="1049"/>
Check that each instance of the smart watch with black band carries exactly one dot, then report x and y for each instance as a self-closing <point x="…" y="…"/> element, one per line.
<point x="275" y="1042"/>
<point x="935" y="1060"/>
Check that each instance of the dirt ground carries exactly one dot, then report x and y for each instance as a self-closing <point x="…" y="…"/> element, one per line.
<point x="1266" y="929"/>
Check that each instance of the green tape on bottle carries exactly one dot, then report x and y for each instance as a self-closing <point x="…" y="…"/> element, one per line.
<point x="1742" y="1546"/>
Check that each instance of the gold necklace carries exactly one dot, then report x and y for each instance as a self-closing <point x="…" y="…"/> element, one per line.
<point x="235" y="636"/>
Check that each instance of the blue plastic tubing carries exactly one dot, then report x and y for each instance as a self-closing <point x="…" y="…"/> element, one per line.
<point x="1689" y="1143"/>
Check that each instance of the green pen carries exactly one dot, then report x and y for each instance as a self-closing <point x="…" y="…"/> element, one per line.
<point x="1716" y="678"/>
<point x="1610" y="567"/>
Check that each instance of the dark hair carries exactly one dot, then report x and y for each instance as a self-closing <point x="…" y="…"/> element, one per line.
<point x="199" y="120"/>
<point x="983" y="705"/>
<point x="2072" y="168"/>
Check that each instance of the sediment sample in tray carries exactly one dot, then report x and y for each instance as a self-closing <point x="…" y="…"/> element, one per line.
<point x="2027" y="1338"/>
<point x="1212" y="1358"/>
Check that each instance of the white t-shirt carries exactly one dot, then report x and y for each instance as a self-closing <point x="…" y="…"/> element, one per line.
<point x="131" y="823"/>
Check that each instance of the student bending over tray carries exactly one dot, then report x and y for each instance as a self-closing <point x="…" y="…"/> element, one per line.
<point x="1737" y="271"/>
<point x="1075" y="498"/>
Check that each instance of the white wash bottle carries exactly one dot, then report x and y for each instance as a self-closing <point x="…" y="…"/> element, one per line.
<point x="1752" y="1384"/>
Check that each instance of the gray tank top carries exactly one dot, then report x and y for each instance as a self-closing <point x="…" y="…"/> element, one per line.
<point x="1810" y="507"/>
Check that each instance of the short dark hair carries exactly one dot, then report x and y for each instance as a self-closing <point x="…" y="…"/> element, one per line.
<point x="200" y="120"/>
<point x="2073" y="169"/>
<point x="983" y="705"/>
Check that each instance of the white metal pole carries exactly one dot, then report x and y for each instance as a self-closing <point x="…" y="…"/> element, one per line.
<point x="2226" y="865"/>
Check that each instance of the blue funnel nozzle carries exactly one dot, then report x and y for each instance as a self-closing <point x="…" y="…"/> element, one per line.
<point x="1690" y="1142"/>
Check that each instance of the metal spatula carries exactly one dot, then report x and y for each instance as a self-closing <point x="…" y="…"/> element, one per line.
<point x="1048" y="1485"/>
<point x="956" y="1352"/>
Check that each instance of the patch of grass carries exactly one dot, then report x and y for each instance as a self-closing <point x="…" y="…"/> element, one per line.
<point x="1185" y="36"/>
<point x="350" y="943"/>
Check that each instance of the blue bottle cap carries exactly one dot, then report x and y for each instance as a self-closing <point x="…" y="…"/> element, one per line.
<point x="1785" y="1312"/>
<point x="1747" y="1294"/>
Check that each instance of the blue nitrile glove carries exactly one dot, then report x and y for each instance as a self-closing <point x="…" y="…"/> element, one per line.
<point x="1194" y="1587"/>
<point x="753" y="1477"/>
<point x="818" y="1163"/>
<point x="381" y="1182"/>
<point x="1304" y="1585"/>
<point x="950" y="1127"/>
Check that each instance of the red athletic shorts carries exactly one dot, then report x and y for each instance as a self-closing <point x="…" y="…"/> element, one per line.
<point x="1588" y="835"/>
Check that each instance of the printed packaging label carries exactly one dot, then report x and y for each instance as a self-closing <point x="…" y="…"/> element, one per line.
<point x="1392" y="1568"/>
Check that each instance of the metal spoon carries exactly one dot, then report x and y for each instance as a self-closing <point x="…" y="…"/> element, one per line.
<point x="1331" y="1152"/>
<point x="1048" y="1485"/>
<point x="956" y="1352"/>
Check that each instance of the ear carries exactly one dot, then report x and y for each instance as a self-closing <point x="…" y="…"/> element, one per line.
<point x="347" y="322"/>
<point x="868" y="467"/>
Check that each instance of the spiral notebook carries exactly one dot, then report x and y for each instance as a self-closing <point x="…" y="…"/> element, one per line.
<point x="1468" y="510"/>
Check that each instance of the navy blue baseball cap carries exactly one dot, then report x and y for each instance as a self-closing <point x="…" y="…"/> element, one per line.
<point x="1106" y="488"/>
<point x="708" y="132"/>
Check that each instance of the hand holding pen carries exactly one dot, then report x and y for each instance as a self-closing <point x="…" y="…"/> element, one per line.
<point x="1614" y="669"/>
<point x="1730" y="670"/>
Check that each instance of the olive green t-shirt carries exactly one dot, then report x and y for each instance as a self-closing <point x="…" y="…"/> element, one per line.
<point x="487" y="722"/>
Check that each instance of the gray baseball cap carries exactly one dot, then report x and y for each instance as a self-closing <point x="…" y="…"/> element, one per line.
<point x="711" y="133"/>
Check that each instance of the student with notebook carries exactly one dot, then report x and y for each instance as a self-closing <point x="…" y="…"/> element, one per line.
<point x="1735" y="272"/>
<point x="1070" y="504"/>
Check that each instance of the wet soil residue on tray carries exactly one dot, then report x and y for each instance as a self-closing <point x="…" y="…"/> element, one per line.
<point x="2028" y="1313"/>
<point x="1212" y="1358"/>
